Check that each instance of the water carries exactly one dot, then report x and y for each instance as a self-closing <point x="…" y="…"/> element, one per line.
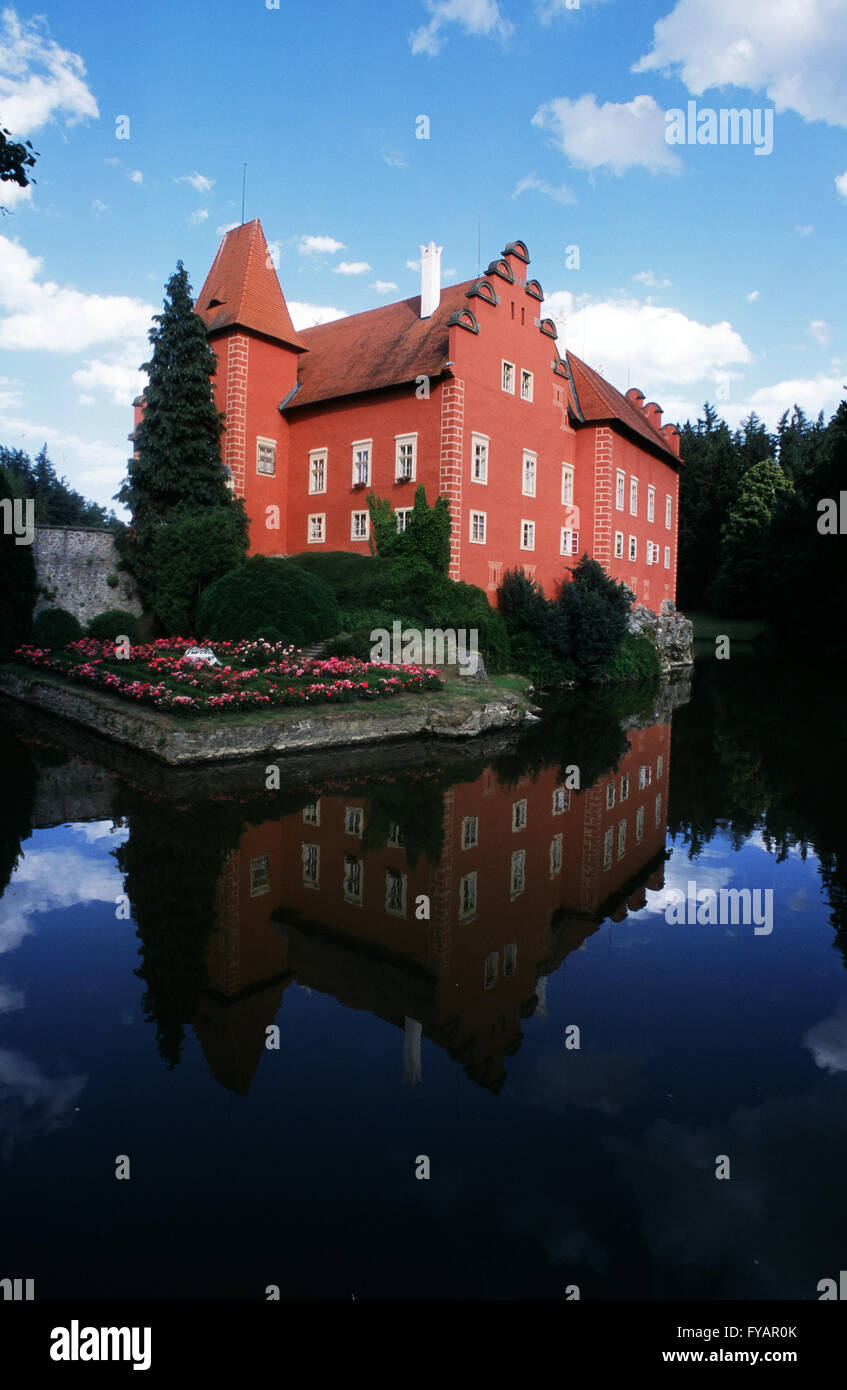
<point x="159" y="923"/>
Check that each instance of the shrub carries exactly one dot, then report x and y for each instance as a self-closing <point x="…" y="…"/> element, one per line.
<point x="636" y="659"/>
<point x="527" y="611"/>
<point x="190" y="551"/>
<point x="455" y="604"/>
<point x="114" y="623"/>
<point x="347" y="644"/>
<point x="596" y="610"/>
<point x="357" y="581"/>
<point x="112" y="581"/>
<point x="55" y="628"/>
<point x="267" y="592"/>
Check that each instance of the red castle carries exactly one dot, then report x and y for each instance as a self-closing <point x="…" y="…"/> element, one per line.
<point x="462" y="390"/>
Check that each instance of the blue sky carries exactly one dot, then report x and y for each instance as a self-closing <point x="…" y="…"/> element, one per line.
<point x="705" y="271"/>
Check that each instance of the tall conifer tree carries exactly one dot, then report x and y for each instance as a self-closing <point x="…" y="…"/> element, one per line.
<point x="178" y="466"/>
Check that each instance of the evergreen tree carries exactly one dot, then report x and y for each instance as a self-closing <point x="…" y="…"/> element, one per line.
<point x="709" y="480"/>
<point x="178" y="466"/>
<point x="18" y="587"/>
<point x="742" y="584"/>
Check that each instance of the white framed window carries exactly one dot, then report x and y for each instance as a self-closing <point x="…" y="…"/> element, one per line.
<point x="266" y="456"/>
<point x="519" y="814"/>
<point x="633" y="497"/>
<point x="567" y="485"/>
<point x="650" y="552"/>
<point x="260" y="877"/>
<point x="316" y="530"/>
<point x="491" y="964"/>
<point x="353" y="879"/>
<point x="621" y="839"/>
<point x="569" y="542"/>
<point x="311" y="866"/>
<point x="467" y="897"/>
<point x="477" y="527"/>
<point x="620" y="482"/>
<point x="317" y="470"/>
<point x="651" y="503"/>
<point x="527" y="535"/>
<point x="312" y="813"/>
<point x="555" y="856"/>
<point x="639" y="824"/>
<point x="657" y="818"/>
<point x="610" y="795"/>
<point x="607" y="849"/>
<point x="633" y="548"/>
<point x="517" y="874"/>
<point x="660" y="766"/>
<point x="507" y="378"/>
<point x="353" y="820"/>
<point x="645" y="777"/>
<point x="479" y="458"/>
<point x="402" y="514"/>
<point x="668" y="510"/>
<point x="625" y="786"/>
<point x="405" y="456"/>
<point x="510" y="958"/>
<point x="470" y="832"/>
<point x="395" y="835"/>
<point x="619" y="545"/>
<point x="561" y="800"/>
<point x="667" y="557"/>
<point x="362" y="462"/>
<point x="526" y="385"/>
<point x="528" y="473"/>
<point x="395" y="893"/>
<point x="360" y="526"/>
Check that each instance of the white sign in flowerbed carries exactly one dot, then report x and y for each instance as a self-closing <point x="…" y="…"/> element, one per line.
<point x="200" y="654"/>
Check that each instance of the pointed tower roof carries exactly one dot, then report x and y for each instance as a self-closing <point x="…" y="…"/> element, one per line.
<point x="242" y="289"/>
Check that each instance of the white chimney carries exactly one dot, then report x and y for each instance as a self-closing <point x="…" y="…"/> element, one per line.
<point x="430" y="279"/>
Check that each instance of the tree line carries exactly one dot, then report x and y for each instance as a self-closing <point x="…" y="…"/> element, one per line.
<point x="749" y="512"/>
<point x="56" y="502"/>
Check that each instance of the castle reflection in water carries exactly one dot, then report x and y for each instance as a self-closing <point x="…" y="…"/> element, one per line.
<point x="527" y="870"/>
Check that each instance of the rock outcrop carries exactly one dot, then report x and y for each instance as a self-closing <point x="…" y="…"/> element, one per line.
<point x="671" y="633"/>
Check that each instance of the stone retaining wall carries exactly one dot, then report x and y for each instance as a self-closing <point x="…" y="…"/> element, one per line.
<point x="74" y="565"/>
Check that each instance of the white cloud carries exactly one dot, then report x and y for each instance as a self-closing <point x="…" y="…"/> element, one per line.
<point x="752" y="296"/>
<point x="201" y="215"/>
<point x="36" y="314"/>
<point x="820" y="330"/>
<point x="841" y="183"/>
<point x="227" y="227"/>
<point x="646" y="277"/>
<point x="795" y="52"/>
<point x="661" y="346"/>
<point x="559" y="194"/>
<point x="804" y="231"/>
<point x="119" y="377"/>
<point x="548" y="10"/>
<point x="473" y="16"/>
<point x="615" y="136"/>
<point x="352" y="268"/>
<point x="39" y="80"/>
<point x="413" y="265"/>
<point x="11" y="999"/>
<point x="384" y="286"/>
<point x="136" y="176"/>
<point x="394" y="158"/>
<point x="85" y="400"/>
<point x="97" y="207"/>
<point x="305" y="315"/>
<point x="812" y="394"/>
<point x="12" y="195"/>
<point x="319" y="245"/>
<point x="827" y="1041"/>
<point x="199" y="182"/>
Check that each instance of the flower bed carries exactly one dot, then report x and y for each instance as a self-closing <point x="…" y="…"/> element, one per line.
<point x="251" y="675"/>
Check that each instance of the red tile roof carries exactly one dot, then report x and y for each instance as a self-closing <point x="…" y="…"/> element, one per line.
<point x="598" y="400"/>
<point x="381" y="347"/>
<point x="242" y="288"/>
